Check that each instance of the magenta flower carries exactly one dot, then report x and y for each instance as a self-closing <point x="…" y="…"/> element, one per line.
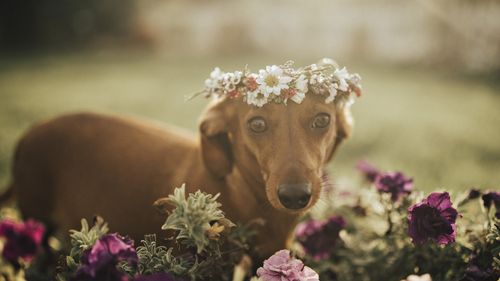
<point x="282" y="267"/>
<point x="394" y="183"/>
<point x="22" y="240"/>
<point x="319" y="237"/>
<point x="433" y="218"/>
<point x="368" y="170"/>
<point x="99" y="263"/>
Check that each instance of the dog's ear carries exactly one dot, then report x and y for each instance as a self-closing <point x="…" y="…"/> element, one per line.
<point x="215" y="144"/>
<point x="345" y="124"/>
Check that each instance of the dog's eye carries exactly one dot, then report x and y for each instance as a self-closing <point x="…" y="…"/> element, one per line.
<point x="321" y="120"/>
<point x="257" y="124"/>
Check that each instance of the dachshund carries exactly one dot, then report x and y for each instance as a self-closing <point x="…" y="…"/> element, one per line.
<point x="266" y="162"/>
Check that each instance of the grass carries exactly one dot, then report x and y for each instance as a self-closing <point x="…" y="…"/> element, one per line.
<point x="440" y="128"/>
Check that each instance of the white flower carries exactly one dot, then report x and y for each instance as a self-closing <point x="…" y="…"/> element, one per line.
<point x="425" y="277"/>
<point x="355" y="79"/>
<point x="332" y="89"/>
<point x="300" y="89"/>
<point x="215" y="78"/>
<point x="231" y="79"/>
<point x="301" y="84"/>
<point x="317" y="79"/>
<point x="256" y="98"/>
<point x="272" y="80"/>
<point x="342" y="76"/>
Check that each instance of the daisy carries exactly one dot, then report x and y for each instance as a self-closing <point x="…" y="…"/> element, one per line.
<point x="272" y="80"/>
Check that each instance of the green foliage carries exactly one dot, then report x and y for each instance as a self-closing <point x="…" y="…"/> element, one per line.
<point x="207" y="245"/>
<point x="83" y="240"/>
<point x="193" y="218"/>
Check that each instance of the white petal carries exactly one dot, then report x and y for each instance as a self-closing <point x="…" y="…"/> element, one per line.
<point x="298" y="97"/>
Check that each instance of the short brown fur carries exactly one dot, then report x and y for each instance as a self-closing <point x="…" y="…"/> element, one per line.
<point x="80" y="165"/>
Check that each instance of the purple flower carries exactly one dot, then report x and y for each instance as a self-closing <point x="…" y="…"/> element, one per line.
<point x="433" y="218"/>
<point x="318" y="237"/>
<point x="368" y="170"/>
<point x="155" y="277"/>
<point x="99" y="263"/>
<point x="474" y="273"/>
<point x="22" y="239"/>
<point x="394" y="183"/>
<point x="490" y="198"/>
<point x="282" y="267"/>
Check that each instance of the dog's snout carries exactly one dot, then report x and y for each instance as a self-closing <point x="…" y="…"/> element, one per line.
<point x="294" y="196"/>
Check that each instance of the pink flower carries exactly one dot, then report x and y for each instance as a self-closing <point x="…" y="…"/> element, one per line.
<point x="282" y="267"/>
<point x="23" y="239"/>
<point x="251" y="84"/>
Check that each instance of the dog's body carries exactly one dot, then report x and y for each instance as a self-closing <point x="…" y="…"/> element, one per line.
<point x="86" y="164"/>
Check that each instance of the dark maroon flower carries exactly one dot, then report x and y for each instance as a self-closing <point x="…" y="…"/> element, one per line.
<point x="23" y="239"/>
<point x="319" y="237"/>
<point x="474" y="273"/>
<point x="473" y="194"/>
<point x="99" y="263"/>
<point x="155" y="277"/>
<point x="368" y="170"/>
<point x="492" y="198"/>
<point x="433" y="218"/>
<point x="394" y="183"/>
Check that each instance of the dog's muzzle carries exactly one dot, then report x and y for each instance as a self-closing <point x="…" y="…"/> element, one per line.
<point x="294" y="196"/>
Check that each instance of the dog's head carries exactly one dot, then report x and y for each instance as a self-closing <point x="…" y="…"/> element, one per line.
<point x="284" y="147"/>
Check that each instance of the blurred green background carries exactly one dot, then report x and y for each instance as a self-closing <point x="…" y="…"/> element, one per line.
<point x="430" y="71"/>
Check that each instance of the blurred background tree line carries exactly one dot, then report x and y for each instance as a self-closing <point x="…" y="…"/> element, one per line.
<point x="450" y="33"/>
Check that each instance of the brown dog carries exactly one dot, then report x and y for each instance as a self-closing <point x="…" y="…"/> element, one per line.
<point x="265" y="162"/>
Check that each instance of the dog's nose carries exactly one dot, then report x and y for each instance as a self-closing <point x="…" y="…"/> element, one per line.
<point x="294" y="196"/>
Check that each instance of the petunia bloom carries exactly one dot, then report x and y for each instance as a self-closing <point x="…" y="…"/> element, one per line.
<point x="395" y="183"/>
<point x="282" y="267"/>
<point x="23" y="239"/>
<point x="433" y="218"/>
<point x="99" y="263"/>
<point x="368" y="170"/>
<point x="318" y="238"/>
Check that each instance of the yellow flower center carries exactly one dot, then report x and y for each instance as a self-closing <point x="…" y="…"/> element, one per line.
<point x="271" y="80"/>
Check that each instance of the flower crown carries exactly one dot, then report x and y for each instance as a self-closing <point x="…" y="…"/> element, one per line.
<point x="278" y="84"/>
